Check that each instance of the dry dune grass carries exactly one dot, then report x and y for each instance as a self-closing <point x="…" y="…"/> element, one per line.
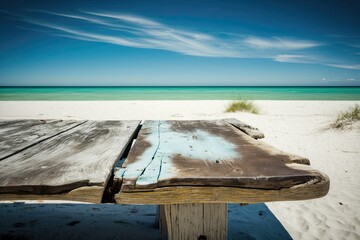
<point x="242" y="106"/>
<point x="347" y="118"/>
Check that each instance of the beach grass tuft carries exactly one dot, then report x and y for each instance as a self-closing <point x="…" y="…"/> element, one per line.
<point x="347" y="118"/>
<point x="242" y="106"/>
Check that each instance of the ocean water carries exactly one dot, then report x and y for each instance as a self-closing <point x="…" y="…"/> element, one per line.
<point x="178" y="93"/>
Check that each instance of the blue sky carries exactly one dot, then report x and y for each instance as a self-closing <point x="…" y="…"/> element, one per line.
<point x="172" y="43"/>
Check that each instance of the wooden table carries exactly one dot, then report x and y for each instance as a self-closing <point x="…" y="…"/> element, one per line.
<point x="192" y="169"/>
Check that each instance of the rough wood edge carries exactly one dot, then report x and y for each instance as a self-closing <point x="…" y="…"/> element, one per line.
<point x="91" y="194"/>
<point x="189" y="194"/>
<point x="246" y="128"/>
<point x="257" y="134"/>
<point x="293" y="158"/>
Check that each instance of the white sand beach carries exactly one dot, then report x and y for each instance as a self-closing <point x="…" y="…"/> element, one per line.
<point x="298" y="127"/>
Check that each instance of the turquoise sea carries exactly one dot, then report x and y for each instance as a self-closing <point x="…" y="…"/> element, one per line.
<point x="179" y="93"/>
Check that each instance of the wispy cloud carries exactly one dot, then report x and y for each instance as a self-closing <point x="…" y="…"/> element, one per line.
<point x="308" y="59"/>
<point x="355" y="45"/>
<point x="128" y="18"/>
<point x="339" y="80"/>
<point x="293" y="58"/>
<point x="139" y="32"/>
<point x="280" y="43"/>
<point x="346" y="66"/>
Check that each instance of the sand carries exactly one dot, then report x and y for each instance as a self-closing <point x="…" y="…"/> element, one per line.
<point x="299" y="127"/>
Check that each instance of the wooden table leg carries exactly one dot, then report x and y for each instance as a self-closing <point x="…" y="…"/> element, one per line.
<point x="193" y="221"/>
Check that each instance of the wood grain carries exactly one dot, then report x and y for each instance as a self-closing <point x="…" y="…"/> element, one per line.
<point x="92" y="194"/>
<point x="208" y="153"/>
<point x="191" y="221"/>
<point x="81" y="157"/>
<point x="17" y="135"/>
<point x="217" y="194"/>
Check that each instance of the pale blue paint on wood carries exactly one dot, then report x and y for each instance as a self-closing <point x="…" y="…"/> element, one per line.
<point x="197" y="145"/>
<point x="205" y="146"/>
<point x="135" y="169"/>
<point x="119" y="173"/>
<point x="151" y="173"/>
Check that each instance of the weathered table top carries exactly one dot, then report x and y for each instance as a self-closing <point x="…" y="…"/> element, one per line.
<point x="54" y="159"/>
<point x="170" y="162"/>
<point x="212" y="161"/>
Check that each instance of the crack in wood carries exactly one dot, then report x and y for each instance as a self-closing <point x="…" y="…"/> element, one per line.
<point x="114" y="182"/>
<point x="156" y="150"/>
<point x="160" y="167"/>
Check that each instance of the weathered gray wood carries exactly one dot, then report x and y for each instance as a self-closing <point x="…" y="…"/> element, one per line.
<point x="17" y="135"/>
<point x="207" y="153"/>
<point x="195" y="221"/>
<point x="246" y="128"/>
<point x="81" y="157"/>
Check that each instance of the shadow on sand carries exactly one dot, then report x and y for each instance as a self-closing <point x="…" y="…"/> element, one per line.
<point x="108" y="221"/>
<point x="254" y="221"/>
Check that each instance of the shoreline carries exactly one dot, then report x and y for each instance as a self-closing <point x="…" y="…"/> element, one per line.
<point x="297" y="127"/>
<point x="84" y="93"/>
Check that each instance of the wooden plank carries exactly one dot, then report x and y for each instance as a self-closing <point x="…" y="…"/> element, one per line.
<point x="81" y="157"/>
<point x="146" y="145"/>
<point x="217" y="194"/>
<point x="208" y="153"/>
<point x="17" y="135"/>
<point x="195" y="221"/>
<point x="246" y="128"/>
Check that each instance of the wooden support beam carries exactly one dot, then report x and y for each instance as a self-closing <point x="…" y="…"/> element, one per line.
<point x="194" y="221"/>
